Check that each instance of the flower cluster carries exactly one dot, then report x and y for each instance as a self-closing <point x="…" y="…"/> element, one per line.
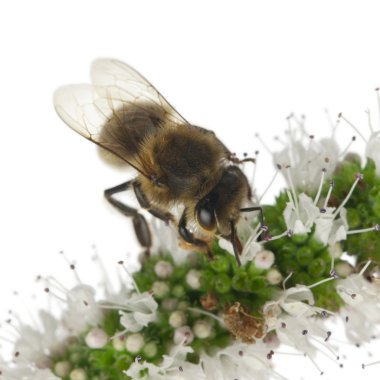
<point x="184" y="315"/>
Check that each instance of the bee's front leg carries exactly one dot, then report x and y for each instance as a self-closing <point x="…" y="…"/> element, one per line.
<point x="188" y="237"/>
<point x="140" y="225"/>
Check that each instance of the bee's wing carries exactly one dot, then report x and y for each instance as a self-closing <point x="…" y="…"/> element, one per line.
<point x="94" y="112"/>
<point x="111" y="72"/>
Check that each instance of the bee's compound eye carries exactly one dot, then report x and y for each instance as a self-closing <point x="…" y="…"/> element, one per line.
<point x="205" y="215"/>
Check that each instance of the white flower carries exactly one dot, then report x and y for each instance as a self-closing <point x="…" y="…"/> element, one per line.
<point x="238" y="361"/>
<point x="264" y="259"/>
<point x="138" y="311"/>
<point x="362" y="300"/>
<point x="329" y="230"/>
<point x="306" y="157"/>
<point x="44" y="374"/>
<point x="82" y="308"/>
<point x="172" y="367"/>
<point x="301" y="214"/>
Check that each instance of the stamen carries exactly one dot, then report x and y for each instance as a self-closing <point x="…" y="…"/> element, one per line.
<point x="286" y="279"/>
<point x="378" y="102"/>
<point x="369" y="364"/>
<point x="321" y="282"/>
<point x="263" y="144"/>
<point x="254" y="168"/>
<point x="340" y="115"/>
<point x="365" y="268"/>
<point x="374" y="228"/>
<point x="292" y="188"/>
<point x="285" y="233"/>
<point x="320" y="187"/>
<point x="130" y="277"/>
<point x="368" y="112"/>
<point x="314" y="363"/>
<point x="71" y="265"/>
<point x="208" y="314"/>
<point x="345" y="150"/>
<point x="332" y="184"/>
<point x="359" y="177"/>
<point x="268" y="187"/>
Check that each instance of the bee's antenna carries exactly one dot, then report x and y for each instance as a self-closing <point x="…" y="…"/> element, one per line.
<point x="234" y="242"/>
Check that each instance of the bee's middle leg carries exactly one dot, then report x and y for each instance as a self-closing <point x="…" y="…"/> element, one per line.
<point x="144" y="203"/>
<point x="140" y="225"/>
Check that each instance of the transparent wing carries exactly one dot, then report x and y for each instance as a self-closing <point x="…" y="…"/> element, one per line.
<point x="105" y="117"/>
<point x="111" y="72"/>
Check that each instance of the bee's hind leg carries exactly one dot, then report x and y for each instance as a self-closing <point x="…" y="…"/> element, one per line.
<point x="189" y="237"/>
<point x="140" y="225"/>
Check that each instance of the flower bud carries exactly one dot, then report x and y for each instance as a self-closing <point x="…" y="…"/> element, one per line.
<point x="150" y="350"/>
<point x="163" y="269"/>
<point x="118" y="343"/>
<point x="78" y="374"/>
<point x="264" y="259"/>
<point x="274" y="277"/>
<point x="202" y="328"/>
<point x="96" y="338"/>
<point x="193" y="279"/>
<point x="177" y="319"/>
<point x="160" y="289"/>
<point x="134" y="343"/>
<point x="183" y="335"/>
<point x="62" y="369"/>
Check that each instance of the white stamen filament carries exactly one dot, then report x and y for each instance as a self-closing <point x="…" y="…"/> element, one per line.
<point x="293" y="190"/>
<point x="345" y="150"/>
<point x="353" y="127"/>
<point x="365" y="268"/>
<point x="263" y="144"/>
<point x="286" y="279"/>
<point x="206" y="313"/>
<point x="321" y="282"/>
<point x="337" y="211"/>
<point x="268" y="187"/>
<point x="328" y="194"/>
<point x="368" y="112"/>
<point x="369" y="364"/>
<point x="378" y="103"/>
<point x="71" y="266"/>
<point x="352" y="232"/>
<point x="320" y="187"/>
<point x="285" y="233"/>
<point x="130" y="277"/>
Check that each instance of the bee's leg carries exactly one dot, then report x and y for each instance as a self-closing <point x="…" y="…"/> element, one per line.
<point x="139" y="223"/>
<point x="236" y="244"/>
<point x="263" y="227"/>
<point x="144" y="203"/>
<point x="189" y="237"/>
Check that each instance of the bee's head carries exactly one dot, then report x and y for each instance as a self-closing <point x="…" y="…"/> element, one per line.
<point x="221" y="206"/>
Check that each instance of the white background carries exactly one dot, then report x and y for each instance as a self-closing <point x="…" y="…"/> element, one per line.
<point x="236" y="67"/>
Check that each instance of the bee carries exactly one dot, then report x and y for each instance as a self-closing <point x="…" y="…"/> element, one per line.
<point x="178" y="164"/>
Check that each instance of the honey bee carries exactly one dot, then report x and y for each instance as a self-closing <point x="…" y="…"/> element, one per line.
<point x="178" y="164"/>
